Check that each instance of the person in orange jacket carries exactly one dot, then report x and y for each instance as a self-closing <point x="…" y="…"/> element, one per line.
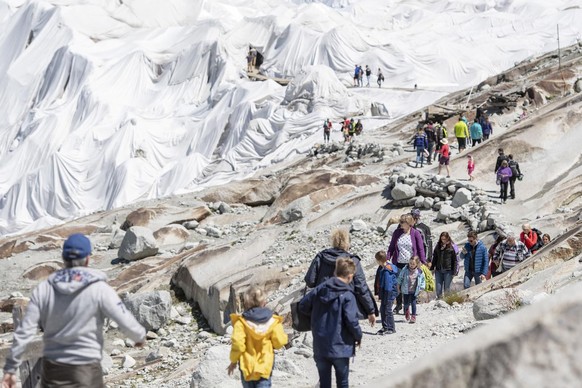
<point x="256" y="333"/>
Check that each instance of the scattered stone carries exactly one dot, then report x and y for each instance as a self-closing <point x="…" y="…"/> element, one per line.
<point x="138" y="243"/>
<point x="496" y="303"/>
<point x="402" y="191"/>
<point x="462" y="197"/>
<point x="358" y="225"/>
<point x="150" y="335"/>
<point x="191" y="225"/>
<point x="151" y="309"/>
<point x="128" y="362"/>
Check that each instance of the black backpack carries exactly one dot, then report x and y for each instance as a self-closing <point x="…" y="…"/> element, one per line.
<point x="513" y="165"/>
<point x="540" y="242"/>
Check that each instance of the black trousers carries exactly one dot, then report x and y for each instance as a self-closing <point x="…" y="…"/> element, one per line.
<point x="503" y="188"/>
<point x="512" y="186"/>
<point x="59" y="375"/>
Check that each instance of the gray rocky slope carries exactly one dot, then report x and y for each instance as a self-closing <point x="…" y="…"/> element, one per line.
<point x="183" y="262"/>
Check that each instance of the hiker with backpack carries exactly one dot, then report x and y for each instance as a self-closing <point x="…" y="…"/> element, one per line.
<point x="368" y="74"/>
<point x="334" y="323"/>
<point x="359" y="128"/>
<point x="444" y="264"/>
<point x="420" y="144"/>
<point x="410" y="282"/>
<point x="356" y="75"/>
<point x="326" y="130"/>
<point x="476" y="133"/>
<point x="531" y="237"/>
<point x="440" y="132"/>
<point x="380" y="77"/>
<point x="476" y="260"/>
<point x="424" y="232"/>
<point x="503" y="176"/>
<point x="515" y="174"/>
<point x="500" y="158"/>
<point x="487" y="128"/>
<point x="509" y="253"/>
<point x="323" y="265"/>
<point x="405" y="243"/>
<point x="385" y="287"/>
<point x="432" y="140"/>
<point x="462" y="133"/>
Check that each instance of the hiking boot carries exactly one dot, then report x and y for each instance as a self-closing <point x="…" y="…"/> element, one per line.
<point x="382" y="331"/>
<point x="412" y="319"/>
<point x="416" y="165"/>
<point x="397" y="309"/>
<point x="407" y="315"/>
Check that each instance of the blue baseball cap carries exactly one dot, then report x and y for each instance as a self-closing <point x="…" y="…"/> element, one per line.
<point x="76" y="247"/>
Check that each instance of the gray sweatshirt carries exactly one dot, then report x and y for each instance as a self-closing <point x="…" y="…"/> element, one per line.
<point x="70" y="307"/>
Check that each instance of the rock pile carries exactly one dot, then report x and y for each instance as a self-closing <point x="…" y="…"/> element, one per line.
<point x="353" y="151"/>
<point x="452" y="199"/>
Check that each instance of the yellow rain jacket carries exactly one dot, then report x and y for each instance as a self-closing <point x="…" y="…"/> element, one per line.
<point x="461" y="130"/>
<point x="253" y="344"/>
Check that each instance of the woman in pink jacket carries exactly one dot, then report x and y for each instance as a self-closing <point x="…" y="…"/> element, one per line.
<point x="406" y="242"/>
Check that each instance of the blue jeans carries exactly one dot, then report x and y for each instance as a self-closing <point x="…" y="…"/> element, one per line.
<point x="261" y="383"/>
<point x="469" y="276"/>
<point x="386" y="303"/>
<point x="409" y="299"/>
<point x="443" y="280"/>
<point x="419" y="155"/>
<point x="342" y="371"/>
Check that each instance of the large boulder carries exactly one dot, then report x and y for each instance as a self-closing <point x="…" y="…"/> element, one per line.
<point x="210" y="371"/>
<point x="537" y="346"/>
<point x="139" y="217"/>
<point x="151" y="309"/>
<point x="498" y="302"/>
<point x="402" y="191"/>
<point x="462" y="197"/>
<point x="42" y="271"/>
<point x="171" y="234"/>
<point x="447" y="213"/>
<point x="138" y="243"/>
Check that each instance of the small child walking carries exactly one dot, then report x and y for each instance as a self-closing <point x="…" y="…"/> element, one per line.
<point x="256" y="333"/>
<point x="410" y="282"/>
<point x="470" y="166"/>
<point x="385" y="288"/>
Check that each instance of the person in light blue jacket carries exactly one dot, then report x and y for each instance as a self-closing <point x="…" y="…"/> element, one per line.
<point x="476" y="133"/>
<point x="410" y="282"/>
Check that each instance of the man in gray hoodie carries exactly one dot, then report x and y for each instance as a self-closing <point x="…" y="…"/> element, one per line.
<point x="70" y="307"/>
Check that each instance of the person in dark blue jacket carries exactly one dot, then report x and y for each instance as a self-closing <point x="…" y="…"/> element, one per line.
<point x="334" y="323"/>
<point x="323" y="266"/>
<point x="420" y="144"/>
<point x="476" y="260"/>
<point x="385" y="288"/>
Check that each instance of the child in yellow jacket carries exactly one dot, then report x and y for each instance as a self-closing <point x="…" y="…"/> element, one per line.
<point x="256" y="333"/>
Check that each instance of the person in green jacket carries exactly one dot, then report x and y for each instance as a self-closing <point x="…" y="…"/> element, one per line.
<point x="462" y="134"/>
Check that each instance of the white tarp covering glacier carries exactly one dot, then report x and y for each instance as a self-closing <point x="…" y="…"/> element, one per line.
<point x="104" y="102"/>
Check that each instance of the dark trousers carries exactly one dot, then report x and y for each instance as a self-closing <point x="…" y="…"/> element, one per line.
<point x="485" y="137"/>
<point x="410" y="300"/>
<point x="399" y="296"/>
<point x="342" y="371"/>
<point x="476" y="141"/>
<point x="326" y="136"/>
<point x="512" y="186"/>
<point x="387" y="301"/>
<point x="503" y="188"/>
<point x="59" y="375"/>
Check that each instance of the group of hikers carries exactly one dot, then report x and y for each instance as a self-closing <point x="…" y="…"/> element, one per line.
<point x="430" y="141"/>
<point x="359" y="76"/>
<point x="73" y="303"/>
<point x="349" y="129"/>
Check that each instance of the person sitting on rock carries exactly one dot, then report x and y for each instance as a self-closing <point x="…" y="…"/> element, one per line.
<point x="323" y="266"/>
<point x="476" y="260"/>
<point x="256" y="333"/>
<point x="509" y="253"/>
